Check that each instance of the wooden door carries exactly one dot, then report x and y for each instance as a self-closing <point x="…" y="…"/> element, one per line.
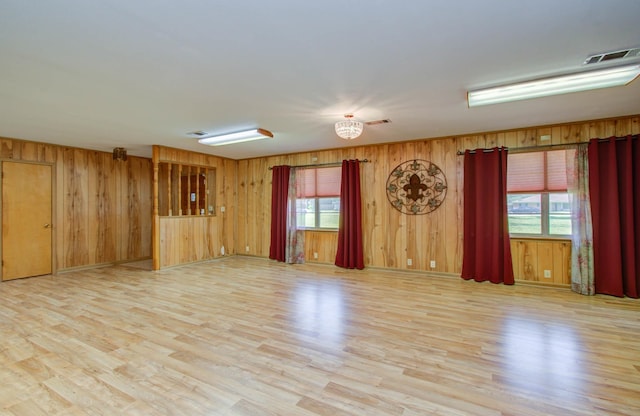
<point x="26" y="220"/>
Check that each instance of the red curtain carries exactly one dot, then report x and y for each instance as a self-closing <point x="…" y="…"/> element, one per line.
<point x="487" y="249"/>
<point x="350" y="253"/>
<point x="279" y="201"/>
<point x="614" y="185"/>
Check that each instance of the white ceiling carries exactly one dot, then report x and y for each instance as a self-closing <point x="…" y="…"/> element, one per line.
<point x="131" y="73"/>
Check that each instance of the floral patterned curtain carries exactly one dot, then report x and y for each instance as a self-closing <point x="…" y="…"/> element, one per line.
<point x="294" y="250"/>
<point x="582" y="274"/>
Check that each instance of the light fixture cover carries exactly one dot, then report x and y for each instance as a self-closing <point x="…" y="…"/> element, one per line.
<point x="349" y="129"/>
<point x="563" y="84"/>
<point x="238" y="137"/>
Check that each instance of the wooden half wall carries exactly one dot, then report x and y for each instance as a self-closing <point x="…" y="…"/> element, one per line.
<point x="391" y="238"/>
<point x="181" y="239"/>
<point x="101" y="206"/>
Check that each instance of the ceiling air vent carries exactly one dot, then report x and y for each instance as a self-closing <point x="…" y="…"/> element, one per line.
<point x="610" y="56"/>
<point x="198" y="133"/>
<point x="374" y="122"/>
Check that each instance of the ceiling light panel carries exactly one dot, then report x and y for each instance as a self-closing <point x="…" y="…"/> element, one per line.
<point x="564" y="84"/>
<point x="238" y="137"/>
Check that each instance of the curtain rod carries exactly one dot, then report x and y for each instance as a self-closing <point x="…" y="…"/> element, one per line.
<point x="543" y="147"/>
<point x="322" y="164"/>
<point x="518" y="149"/>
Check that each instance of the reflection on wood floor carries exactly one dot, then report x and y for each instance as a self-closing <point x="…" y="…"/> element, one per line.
<point x="248" y="336"/>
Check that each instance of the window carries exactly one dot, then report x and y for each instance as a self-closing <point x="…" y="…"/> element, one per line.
<point x="318" y="197"/>
<point x="538" y="203"/>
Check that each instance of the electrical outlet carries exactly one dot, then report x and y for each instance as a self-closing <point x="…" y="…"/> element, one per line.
<point x="409" y="262"/>
<point x="222" y="208"/>
<point x="315" y="255"/>
<point x="246" y="249"/>
<point x="432" y="264"/>
<point x="547" y="274"/>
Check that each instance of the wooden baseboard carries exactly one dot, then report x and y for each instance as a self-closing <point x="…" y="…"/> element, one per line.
<point x="98" y="265"/>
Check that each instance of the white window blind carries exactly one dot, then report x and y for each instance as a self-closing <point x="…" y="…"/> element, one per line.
<point x="537" y="171"/>
<point x="318" y="182"/>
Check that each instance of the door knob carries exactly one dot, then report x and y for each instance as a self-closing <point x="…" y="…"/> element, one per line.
<point x="47" y="226"/>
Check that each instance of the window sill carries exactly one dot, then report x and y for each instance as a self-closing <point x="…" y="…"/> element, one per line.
<point x="539" y="237"/>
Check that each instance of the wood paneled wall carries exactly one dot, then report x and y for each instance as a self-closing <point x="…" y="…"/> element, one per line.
<point x="102" y="207"/>
<point x="391" y="238"/>
<point x="532" y="257"/>
<point x="186" y="239"/>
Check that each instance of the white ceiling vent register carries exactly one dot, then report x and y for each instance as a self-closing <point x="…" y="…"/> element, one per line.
<point x="375" y="122"/>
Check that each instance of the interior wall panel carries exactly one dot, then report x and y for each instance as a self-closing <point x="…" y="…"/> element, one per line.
<point x="182" y="239"/>
<point x="97" y="220"/>
<point x="103" y="208"/>
<point x="391" y="238"/>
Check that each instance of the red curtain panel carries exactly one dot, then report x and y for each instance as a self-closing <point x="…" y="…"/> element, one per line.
<point x="279" y="200"/>
<point x="614" y="185"/>
<point x="487" y="249"/>
<point x="350" y="253"/>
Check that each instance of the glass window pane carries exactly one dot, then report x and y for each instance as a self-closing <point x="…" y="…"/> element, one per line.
<point x="524" y="211"/>
<point x="560" y="213"/>
<point x="329" y="212"/>
<point x="305" y="211"/>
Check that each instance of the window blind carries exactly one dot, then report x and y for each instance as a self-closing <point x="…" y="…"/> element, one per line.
<point x="318" y="182"/>
<point x="537" y="171"/>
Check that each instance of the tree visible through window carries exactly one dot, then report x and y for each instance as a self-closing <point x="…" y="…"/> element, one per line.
<point x="318" y="197"/>
<point x="538" y="203"/>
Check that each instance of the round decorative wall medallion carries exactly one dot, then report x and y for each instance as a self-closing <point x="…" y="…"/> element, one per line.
<point x="416" y="187"/>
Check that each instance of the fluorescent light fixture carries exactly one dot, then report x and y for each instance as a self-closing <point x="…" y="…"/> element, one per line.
<point x="239" y="137"/>
<point x="563" y="84"/>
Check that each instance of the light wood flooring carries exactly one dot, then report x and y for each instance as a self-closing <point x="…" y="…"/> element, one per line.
<point x="248" y="336"/>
